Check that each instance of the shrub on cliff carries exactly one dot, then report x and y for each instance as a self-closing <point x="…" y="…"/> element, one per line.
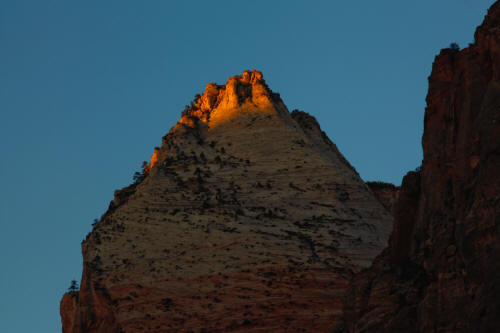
<point x="454" y="47"/>
<point x="74" y="286"/>
<point x="140" y="175"/>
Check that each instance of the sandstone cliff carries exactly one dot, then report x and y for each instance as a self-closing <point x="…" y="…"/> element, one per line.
<point x="441" y="272"/>
<point x="386" y="193"/>
<point x="246" y="219"/>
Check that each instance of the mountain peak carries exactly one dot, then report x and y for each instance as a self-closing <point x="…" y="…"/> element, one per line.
<point x="245" y="92"/>
<point x="246" y="209"/>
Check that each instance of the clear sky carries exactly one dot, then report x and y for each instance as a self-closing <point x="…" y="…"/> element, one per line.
<point x="88" y="88"/>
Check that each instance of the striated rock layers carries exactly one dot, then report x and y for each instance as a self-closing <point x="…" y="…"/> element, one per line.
<point x="386" y="193"/>
<point x="441" y="272"/>
<point x="247" y="219"/>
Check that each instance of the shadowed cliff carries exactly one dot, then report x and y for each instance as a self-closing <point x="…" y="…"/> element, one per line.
<point x="441" y="272"/>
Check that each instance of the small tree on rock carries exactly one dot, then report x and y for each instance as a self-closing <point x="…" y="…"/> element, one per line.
<point x="74" y="286"/>
<point x="140" y="175"/>
<point x="454" y="47"/>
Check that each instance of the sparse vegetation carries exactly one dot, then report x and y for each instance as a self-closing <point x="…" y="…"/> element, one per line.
<point x="140" y="175"/>
<point x="380" y="185"/>
<point x="74" y="286"/>
<point x="454" y="47"/>
<point x="191" y="106"/>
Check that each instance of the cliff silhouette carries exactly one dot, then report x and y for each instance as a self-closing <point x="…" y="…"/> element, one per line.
<point x="441" y="270"/>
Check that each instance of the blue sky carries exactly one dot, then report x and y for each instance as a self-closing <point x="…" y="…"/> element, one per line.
<point x="88" y="88"/>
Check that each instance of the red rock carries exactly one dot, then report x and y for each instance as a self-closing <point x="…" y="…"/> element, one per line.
<point x="405" y="213"/>
<point x="68" y="310"/>
<point x="94" y="309"/>
<point x="442" y="270"/>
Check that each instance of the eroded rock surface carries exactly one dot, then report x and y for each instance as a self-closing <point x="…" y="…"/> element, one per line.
<point x="386" y="193"/>
<point x="247" y="219"/>
<point x="441" y="272"/>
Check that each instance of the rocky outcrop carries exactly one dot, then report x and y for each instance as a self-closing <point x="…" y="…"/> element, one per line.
<point x="441" y="272"/>
<point x="247" y="219"/>
<point x="67" y="310"/>
<point x="386" y="193"/>
<point x="94" y="311"/>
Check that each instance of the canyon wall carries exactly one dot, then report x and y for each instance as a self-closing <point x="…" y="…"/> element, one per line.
<point x="441" y="272"/>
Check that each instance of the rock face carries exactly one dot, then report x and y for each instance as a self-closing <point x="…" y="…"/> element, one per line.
<point x="441" y="272"/>
<point x="386" y="193"/>
<point x="68" y="308"/>
<point x="247" y="219"/>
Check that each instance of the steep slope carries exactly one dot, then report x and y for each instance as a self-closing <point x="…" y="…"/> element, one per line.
<point x="386" y="193"/>
<point x="442" y="270"/>
<point x="248" y="218"/>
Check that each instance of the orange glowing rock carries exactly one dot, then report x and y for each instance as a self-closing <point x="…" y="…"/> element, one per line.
<point x="248" y="219"/>
<point x="242" y="93"/>
<point x="154" y="159"/>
